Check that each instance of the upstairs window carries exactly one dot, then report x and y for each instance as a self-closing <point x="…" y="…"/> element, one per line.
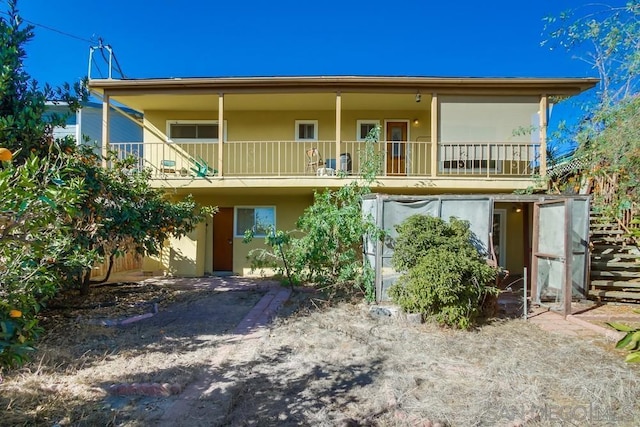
<point x="363" y="127"/>
<point x="193" y="131"/>
<point x="306" y="130"/>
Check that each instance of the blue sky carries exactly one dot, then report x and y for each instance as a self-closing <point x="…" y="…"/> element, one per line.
<point x="170" y="38"/>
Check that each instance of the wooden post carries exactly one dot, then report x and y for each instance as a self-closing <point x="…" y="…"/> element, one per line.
<point x="434" y="134"/>
<point x="220" y="132"/>
<point x="568" y="256"/>
<point x="533" y="285"/>
<point x="106" y="110"/>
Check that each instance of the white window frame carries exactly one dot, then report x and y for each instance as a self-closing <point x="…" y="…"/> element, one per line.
<point x="306" y="122"/>
<point x="235" y="219"/>
<point x="359" y="123"/>
<point x="193" y="122"/>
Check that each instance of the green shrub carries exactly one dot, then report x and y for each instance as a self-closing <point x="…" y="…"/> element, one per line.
<point x="420" y="233"/>
<point x="444" y="276"/>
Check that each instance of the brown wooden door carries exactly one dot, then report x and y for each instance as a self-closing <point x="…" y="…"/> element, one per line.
<point x="223" y="240"/>
<point x="396" y="148"/>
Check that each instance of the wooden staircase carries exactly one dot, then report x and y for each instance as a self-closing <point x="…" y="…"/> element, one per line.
<point x="615" y="263"/>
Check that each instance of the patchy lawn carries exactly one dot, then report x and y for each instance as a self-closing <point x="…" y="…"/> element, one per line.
<point x="319" y="366"/>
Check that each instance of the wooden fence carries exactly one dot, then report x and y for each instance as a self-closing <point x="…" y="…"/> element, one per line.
<point x="130" y="261"/>
<point x="606" y="187"/>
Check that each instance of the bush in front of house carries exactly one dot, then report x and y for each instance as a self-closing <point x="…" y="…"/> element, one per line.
<point x="444" y="277"/>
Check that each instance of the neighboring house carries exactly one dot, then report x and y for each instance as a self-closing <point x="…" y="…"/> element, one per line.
<point x="85" y="125"/>
<point x="258" y="147"/>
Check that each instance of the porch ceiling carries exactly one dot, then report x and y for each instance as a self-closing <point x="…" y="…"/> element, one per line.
<point x="275" y="102"/>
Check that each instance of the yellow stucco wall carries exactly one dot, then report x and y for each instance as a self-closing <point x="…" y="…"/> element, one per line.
<point x="192" y="255"/>
<point x="286" y="157"/>
<point x="280" y="125"/>
<point x="180" y="257"/>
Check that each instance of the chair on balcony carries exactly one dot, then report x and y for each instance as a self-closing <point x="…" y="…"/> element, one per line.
<point x="167" y="166"/>
<point x="314" y="160"/>
<point x="202" y="169"/>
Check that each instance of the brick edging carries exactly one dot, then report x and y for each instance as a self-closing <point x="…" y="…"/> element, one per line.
<point x="610" y="334"/>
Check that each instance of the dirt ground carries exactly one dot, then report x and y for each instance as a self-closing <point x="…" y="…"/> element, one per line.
<point x="316" y="365"/>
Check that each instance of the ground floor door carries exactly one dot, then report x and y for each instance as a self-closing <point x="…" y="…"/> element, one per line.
<point x="223" y="240"/>
<point x="396" y="147"/>
<point x="560" y="250"/>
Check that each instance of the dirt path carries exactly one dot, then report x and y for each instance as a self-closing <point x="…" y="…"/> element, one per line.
<point x="207" y="401"/>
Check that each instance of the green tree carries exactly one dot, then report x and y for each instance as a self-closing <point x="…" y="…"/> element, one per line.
<point x="121" y="212"/>
<point x="608" y="136"/>
<point x="35" y="236"/>
<point x="60" y="211"/>
<point x="326" y="246"/>
<point x="23" y="127"/>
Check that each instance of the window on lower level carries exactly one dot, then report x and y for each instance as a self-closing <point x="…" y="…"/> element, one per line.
<point x="306" y="130"/>
<point x="260" y="219"/>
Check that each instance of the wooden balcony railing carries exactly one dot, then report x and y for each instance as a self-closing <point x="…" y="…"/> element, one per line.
<point x="321" y="158"/>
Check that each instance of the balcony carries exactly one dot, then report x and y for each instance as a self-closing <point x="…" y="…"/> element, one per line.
<point x="257" y="159"/>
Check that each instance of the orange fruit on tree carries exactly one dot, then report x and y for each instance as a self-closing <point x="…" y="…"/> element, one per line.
<point x="5" y="154"/>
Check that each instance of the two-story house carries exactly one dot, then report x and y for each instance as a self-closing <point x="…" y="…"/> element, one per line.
<point x="258" y="147"/>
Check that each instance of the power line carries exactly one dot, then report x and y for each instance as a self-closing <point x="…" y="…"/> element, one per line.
<point x="55" y="30"/>
<point x="73" y="36"/>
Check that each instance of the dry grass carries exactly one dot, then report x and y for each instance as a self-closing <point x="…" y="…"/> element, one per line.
<point x="341" y="364"/>
<point x="322" y="367"/>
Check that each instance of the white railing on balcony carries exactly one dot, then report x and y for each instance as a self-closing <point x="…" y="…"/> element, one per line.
<point x="491" y="159"/>
<point x="294" y="158"/>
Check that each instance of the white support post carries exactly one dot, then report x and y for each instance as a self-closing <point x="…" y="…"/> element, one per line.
<point x="220" y="132"/>
<point x="434" y="134"/>
<point x="544" y="107"/>
<point x="338" y="129"/>
<point x="106" y="112"/>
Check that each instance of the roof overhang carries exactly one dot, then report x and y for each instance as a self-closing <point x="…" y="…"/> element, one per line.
<point x="441" y="85"/>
